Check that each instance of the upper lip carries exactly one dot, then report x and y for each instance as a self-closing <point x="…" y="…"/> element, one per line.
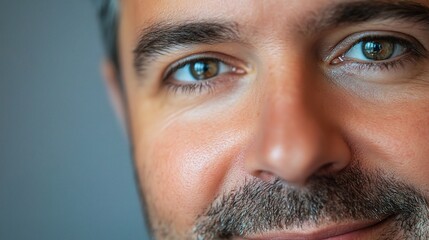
<point x="316" y="233"/>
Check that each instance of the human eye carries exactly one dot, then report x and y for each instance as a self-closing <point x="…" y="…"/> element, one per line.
<point x="378" y="54"/>
<point x="377" y="49"/>
<point x="199" y="73"/>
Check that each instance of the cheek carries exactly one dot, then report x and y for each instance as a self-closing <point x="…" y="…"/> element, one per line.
<point x="396" y="139"/>
<point x="184" y="166"/>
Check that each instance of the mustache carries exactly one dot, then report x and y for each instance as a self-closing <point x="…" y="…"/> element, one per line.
<point x="260" y="206"/>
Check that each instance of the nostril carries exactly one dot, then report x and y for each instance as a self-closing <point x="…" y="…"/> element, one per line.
<point x="325" y="169"/>
<point x="265" y="176"/>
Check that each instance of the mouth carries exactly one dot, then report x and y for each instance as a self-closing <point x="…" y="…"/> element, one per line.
<point x="348" y="231"/>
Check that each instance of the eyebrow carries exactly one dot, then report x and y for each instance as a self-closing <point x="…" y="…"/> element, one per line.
<point x="370" y="10"/>
<point x="162" y="37"/>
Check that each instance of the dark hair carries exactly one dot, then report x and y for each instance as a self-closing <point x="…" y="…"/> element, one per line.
<point x="107" y="12"/>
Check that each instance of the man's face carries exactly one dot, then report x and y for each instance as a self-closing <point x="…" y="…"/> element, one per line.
<point x="304" y="119"/>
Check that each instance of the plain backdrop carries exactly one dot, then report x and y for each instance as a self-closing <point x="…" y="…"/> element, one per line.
<point x="65" y="168"/>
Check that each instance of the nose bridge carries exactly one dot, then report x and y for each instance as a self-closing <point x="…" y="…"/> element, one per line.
<point x="290" y="106"/>
<point x="290" y="126"/>
<point x="295" y="141"/>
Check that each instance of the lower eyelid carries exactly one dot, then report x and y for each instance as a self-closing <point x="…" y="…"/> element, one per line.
<point x="387" y="67"/>
<point x="202" y="87"/>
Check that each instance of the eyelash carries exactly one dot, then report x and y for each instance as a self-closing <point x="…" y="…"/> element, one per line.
<point x="199" y="88"/>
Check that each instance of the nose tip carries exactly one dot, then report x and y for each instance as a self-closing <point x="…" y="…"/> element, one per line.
<point x="295" y="142"/>
<point x="296" y="163"/>
<point x="298" y="166"/>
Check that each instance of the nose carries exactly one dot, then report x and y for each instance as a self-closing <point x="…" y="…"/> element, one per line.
<point x="295" y="138"/>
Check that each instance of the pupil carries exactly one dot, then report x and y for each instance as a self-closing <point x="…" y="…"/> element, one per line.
<point x="206" y="69"/>
<point x="378" y="50"/>
<point x="373" y="47"/>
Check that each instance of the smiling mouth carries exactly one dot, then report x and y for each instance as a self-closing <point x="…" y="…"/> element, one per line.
<point x="349" y="231"/>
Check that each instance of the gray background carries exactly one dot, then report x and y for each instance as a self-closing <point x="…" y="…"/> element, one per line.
<point x="65" y="170"/>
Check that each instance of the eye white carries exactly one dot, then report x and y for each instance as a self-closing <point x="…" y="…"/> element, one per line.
<point x="356" y="52"/>
<point x="184" y="74"/>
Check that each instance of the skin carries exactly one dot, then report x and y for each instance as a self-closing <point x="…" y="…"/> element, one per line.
<point x="282" y="118"/>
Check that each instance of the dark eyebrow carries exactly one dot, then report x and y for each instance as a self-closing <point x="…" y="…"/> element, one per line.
<point x="158" y="39"/>
<point x="370" y="10"/>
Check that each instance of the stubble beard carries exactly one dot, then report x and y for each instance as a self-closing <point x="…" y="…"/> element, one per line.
<point x="352" y="195"/>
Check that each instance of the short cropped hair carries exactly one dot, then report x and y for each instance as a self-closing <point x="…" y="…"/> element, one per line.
<point x="107" y="12"/>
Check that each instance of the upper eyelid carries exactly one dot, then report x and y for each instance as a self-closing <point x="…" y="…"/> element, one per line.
<point x="369" y="38"/>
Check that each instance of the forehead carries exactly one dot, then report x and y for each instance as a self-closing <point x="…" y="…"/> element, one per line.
<point x="265" y="13"/>
<point x="155" y="10"/>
